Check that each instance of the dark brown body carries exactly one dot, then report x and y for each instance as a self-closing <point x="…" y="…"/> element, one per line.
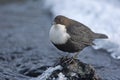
<point x="80" y="35"/>
<point x="70" y="46"/>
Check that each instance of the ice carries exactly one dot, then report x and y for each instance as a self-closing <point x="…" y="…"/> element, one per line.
<point x="61" y="76"/>
<point x="47" y="73"/>
<point x="101" y="16"/>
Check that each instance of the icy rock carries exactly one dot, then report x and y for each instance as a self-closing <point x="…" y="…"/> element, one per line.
<point x="68" y="68"/>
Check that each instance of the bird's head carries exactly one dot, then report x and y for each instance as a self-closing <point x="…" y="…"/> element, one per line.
<point x="61" y="20"/>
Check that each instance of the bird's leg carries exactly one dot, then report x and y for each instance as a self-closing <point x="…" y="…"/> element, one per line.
<point x="70" y="60"/>
<point x="76" y="55"/>
<point x="66" y="56"/>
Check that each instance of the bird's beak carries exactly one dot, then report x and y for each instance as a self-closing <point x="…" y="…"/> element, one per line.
<point x="53" y="23"/>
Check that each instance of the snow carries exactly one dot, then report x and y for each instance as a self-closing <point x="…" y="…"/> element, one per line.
<point x="61" y="76"/>
<point x="101" y="16"/>
<point x="47" y="73"/>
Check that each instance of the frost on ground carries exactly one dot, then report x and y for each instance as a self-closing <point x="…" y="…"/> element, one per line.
<point x="101" y="16"/>
<point x="46" y="74"/>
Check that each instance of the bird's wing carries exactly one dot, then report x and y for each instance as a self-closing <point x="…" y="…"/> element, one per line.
<point x="80" y="34"/>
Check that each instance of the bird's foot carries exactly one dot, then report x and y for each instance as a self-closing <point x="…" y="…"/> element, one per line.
<point x="69" y="60"/>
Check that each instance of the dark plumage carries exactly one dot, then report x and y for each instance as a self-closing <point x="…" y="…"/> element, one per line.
<point x="80" y="35"/>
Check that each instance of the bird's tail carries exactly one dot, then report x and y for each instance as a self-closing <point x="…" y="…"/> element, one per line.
<point x="98" y="36"/>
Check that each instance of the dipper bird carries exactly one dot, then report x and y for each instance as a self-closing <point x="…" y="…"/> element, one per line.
<point x="72" y="36"/>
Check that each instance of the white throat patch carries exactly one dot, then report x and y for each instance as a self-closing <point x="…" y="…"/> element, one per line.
<point x="58" y="34"/>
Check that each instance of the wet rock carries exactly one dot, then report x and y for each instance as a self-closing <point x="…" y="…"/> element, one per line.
<point x="34" y="72"/>
<point x="72" y="69"/>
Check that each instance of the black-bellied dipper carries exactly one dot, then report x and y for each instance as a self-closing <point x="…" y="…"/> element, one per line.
<point x="71" y="36"/>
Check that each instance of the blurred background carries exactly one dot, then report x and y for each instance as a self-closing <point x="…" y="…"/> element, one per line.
<point x="24" y="35"/>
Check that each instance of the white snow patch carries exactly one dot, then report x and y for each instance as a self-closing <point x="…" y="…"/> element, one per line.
<point x="61" y="76"/>
<point x="47" y="73"/>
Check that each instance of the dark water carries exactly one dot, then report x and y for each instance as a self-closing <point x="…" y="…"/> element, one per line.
<point x="24" y="42"/>
<point x="25" y="45"/>
<point x="11" y="1"/>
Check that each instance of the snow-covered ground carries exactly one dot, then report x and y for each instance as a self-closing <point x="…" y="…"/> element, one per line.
<point x="101" y="16"/>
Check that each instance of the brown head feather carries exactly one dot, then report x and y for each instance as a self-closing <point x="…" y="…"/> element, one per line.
<point x="62" y="20"/>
